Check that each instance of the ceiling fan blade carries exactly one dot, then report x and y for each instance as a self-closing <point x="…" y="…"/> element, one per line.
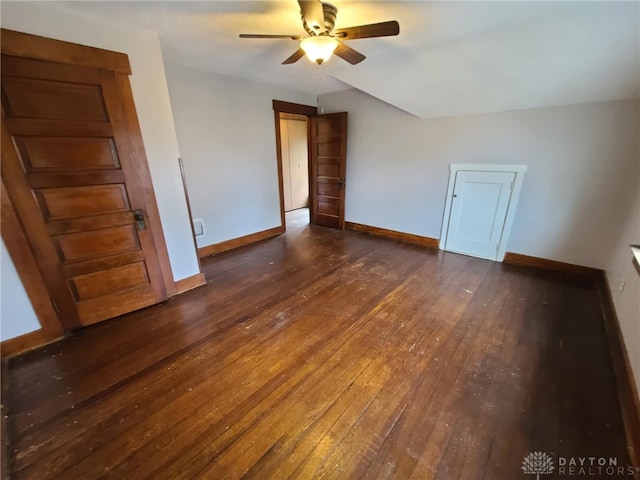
<point x="313" y="15"/>
<point x="297" y="55"/>
<point x="383" y="29"/>
<point x="348" y="54"/>
<point x="251" y="35"/>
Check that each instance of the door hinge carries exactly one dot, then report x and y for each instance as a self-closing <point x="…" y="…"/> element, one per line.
<point x="498" y="248"/>
<point x="55" y="305"/>
<point x="511" y="186"/>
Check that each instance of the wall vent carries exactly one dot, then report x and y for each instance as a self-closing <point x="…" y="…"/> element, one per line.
<point x="198" y="226"/>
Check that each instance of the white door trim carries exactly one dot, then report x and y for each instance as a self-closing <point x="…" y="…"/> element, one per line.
<point x="518" y="170"/>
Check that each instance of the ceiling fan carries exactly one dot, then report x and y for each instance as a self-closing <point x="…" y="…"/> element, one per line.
<point x="318" y="20"/>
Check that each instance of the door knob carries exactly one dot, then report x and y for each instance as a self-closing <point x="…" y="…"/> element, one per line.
<point x="138" y="216"/>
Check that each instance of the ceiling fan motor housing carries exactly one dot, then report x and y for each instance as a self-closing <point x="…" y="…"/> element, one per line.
<point x="330" y="12"/>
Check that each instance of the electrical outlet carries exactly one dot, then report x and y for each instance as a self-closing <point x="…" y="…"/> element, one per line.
<point x="198" y="227"/>
<point x="622" y="284"/>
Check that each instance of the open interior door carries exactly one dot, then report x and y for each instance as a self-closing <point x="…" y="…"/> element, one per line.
<point x="328" y="168"/>
<point x="67" y="164"/>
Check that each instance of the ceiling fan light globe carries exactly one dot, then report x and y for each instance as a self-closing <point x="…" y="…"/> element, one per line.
<point x="319" y="48"/>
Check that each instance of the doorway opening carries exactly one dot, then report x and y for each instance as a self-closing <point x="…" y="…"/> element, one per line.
<point x="326" y="163"/>
<point x="294" y="151"/>
<point x="293" y="140"/>
<point x="297" y="219"/>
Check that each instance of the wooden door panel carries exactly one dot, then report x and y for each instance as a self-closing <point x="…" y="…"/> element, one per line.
<point x="64" y="153"/>
<point x="75" y="269"/>
<point x="329" y="189"/>
<point x="326" y="127"/>
<point x="328" y="168"/>
<point x="43" y="99"/>
<point x="329" y="206"/>
<point x="67" y="167"/>
<point x="96" y="309"/>
<point x="109" y="281"/>
<point x="94" y="243"/>
<point x="68" y="202"/>
<point x="329" y="149"/>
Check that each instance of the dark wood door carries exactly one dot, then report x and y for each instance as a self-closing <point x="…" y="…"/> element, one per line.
<point x="67" y="167"/>
<point x="328" y="168"/>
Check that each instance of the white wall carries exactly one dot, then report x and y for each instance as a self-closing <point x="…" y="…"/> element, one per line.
<point x="226" y="133"/>
<point x="582" y="170"/>
<point x="151" y="96"/>
<point x="16" y="312"/>
<point x="619" y="269"/>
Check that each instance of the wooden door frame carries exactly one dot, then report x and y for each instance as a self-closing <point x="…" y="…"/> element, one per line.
<point x="40" y="48"/>
<point x="297" y="109"/>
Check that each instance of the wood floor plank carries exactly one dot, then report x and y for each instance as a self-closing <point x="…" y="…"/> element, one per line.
<point x="325" y="354"/>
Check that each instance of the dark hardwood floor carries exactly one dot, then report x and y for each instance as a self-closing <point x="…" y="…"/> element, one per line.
<point x="326" y="354"/>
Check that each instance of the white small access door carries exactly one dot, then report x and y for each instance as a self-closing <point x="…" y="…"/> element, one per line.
<point x="480" y="208"/>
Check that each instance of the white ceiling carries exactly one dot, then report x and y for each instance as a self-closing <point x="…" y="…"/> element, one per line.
<point x="451" y="58"/>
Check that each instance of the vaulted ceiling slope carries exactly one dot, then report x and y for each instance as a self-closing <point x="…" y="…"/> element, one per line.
<point x="451" y="58"/>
